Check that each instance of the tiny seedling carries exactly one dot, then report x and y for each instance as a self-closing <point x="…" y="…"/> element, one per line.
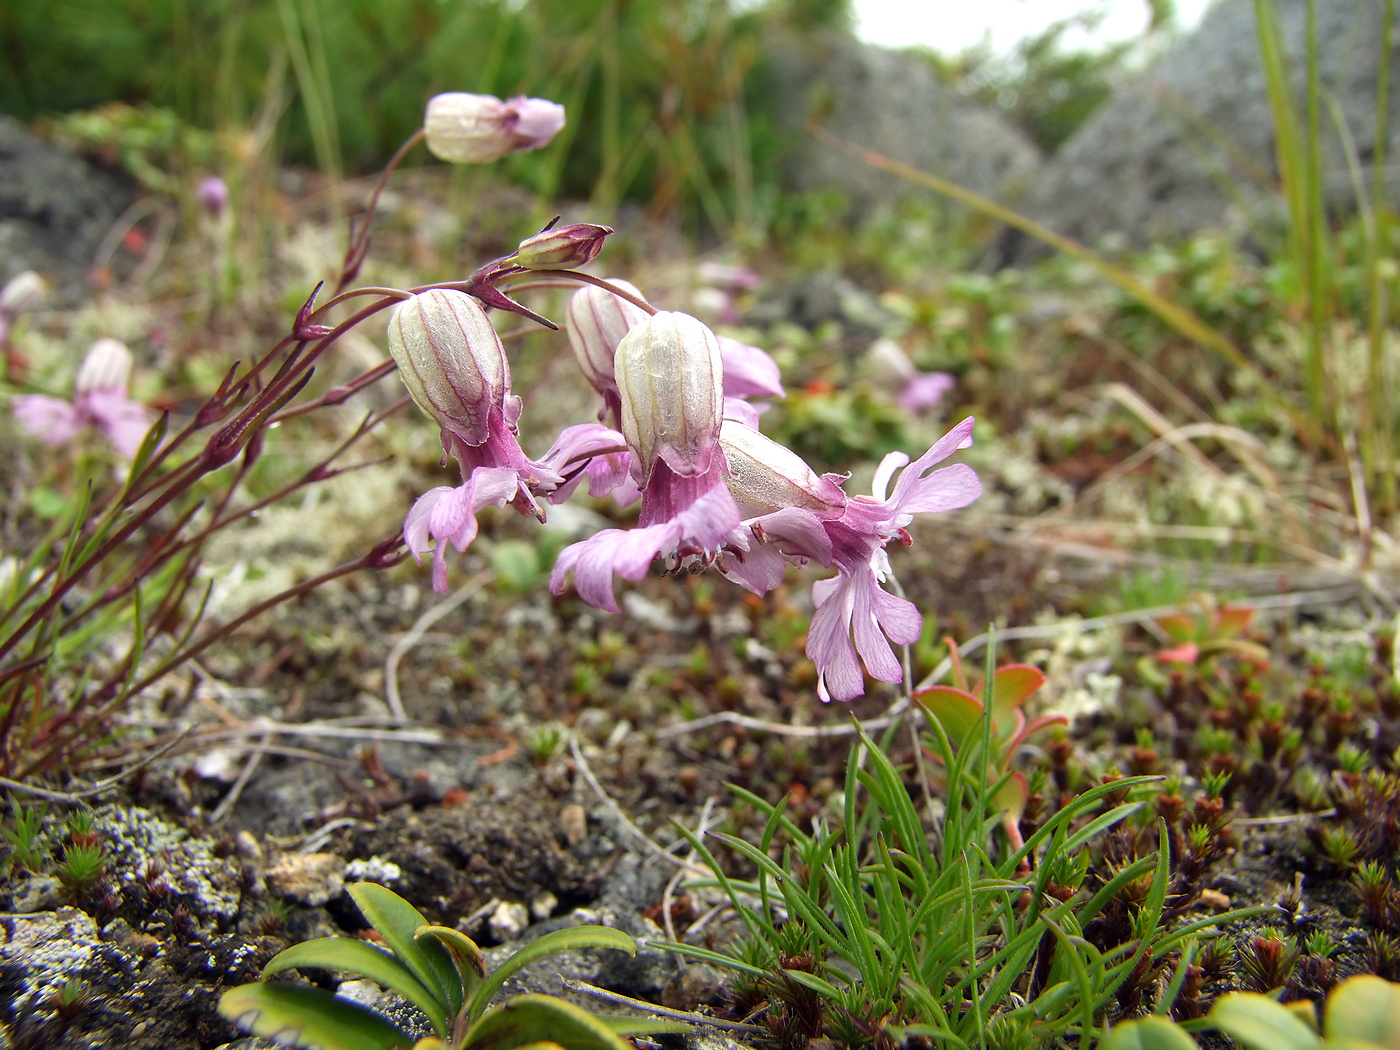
<point x="440" y="971"/>
<point x="22" y="833"/>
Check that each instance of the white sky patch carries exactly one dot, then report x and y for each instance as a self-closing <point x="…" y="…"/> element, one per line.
<point x="951" y="26"/>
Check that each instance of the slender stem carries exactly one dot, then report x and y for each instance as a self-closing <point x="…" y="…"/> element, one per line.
<point x="588" y="278"/>
<point x="359" y="241"/>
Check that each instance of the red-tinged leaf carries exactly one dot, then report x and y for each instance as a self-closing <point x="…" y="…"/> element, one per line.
<point x="1186" y="653"/>
<point x="957" y="712"/>
<point x="1231" y="620"/>
<point x="1035" y="726"/>
<point x="1181" y="627"/>
<point x="1011" y="799"/>
<point x="1011" y="685"/>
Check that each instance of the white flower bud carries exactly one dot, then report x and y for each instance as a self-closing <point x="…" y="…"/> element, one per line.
<point x="451" y="360"/>
<point x="106" y="368"/>
<point x="596" y="321"/>
<point x="669" y="378"/>
<point x="476" y="129"/>
<point x="765" y="476"/>
<point x="22" y="293"/>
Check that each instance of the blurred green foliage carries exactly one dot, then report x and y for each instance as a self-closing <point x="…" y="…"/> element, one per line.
<point x="1047" y="84"/>
<point x="656" y="91"/>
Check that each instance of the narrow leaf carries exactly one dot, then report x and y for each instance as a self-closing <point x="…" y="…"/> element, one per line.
<point x="1150" y="1033"/>
<point x="541" y="1018"/>
<point x="558" y="941"/>
<point x="346" y="953"/>
<point x="308" y="1017"/>
<point x="466" y="956"/>
<point x="397" y="921"/>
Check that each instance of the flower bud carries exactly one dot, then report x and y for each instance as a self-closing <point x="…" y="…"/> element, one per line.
<point x="596" y="321"/>
<point x="106" y="369"/>
<point x="22" y="293"/>
<point x="669" y="378"/>
<point x="451" y="360"/>
<point x="212" y="194"/>
<point x="765" y="476"/>
<point x="564" y="247"/>
<point x="475" y="129"/>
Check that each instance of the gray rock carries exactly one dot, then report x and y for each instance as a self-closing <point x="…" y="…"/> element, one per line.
<point x="55" y="208"/>
<point x="891" y="102"/>
<point x="1153" y="163"/>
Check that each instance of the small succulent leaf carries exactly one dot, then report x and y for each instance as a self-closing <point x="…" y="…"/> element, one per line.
<point x="1185" y="653"/>
<point x="1011" y="797"/>
<point x="430" y="1042"/>
<point x="1011" y="685"/>
<point x="644" y="1025"/>
<point x="295" y="1015"/>
<point x="528" y="1019"/>
<point x="558" y="941"/>
<point x="957" y="711"/>
<point x="1181" y="627"/>
<point x="397" y="921"/>
<point x="1149" y="1033"/>
<point x="466" y="956"/>
<point x="367" y="960"/>
<point x="1033" y="727"/>
<point x="1366" y="1008"/>
<point x="1230" y="621"/>
<point x="1260" y="1023"/>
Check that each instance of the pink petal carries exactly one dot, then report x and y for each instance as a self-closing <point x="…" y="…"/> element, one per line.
<point x="748" y="370"/>
<point x="52" y="421"/>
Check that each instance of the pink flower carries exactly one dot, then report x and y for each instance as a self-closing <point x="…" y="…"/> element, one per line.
<point x="212" y="194"/>
<point x="915" y="391"/>
<point x="667" y="370"/>
<point x="99" y="400"/>
<point x="854" y="615"/>
<point x="454" y="366"/>
<point x="794" y="515"/>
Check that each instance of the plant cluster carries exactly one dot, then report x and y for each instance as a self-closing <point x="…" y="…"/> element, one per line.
<point x="890" y="925"/>
<point x="442" y="973"/>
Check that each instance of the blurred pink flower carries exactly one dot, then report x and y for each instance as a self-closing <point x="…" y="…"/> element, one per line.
<point x="99" y="400"/>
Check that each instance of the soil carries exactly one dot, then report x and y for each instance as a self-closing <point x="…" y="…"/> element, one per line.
<point x="485" y="807"/>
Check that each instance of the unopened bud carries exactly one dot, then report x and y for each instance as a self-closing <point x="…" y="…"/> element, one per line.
<point x="106" y="368"/>
<point x="562" y="248"/>
<point x="669" y="378"/>
<point x="464" y="128"/>
<point x="765" y="476"/>
<point x="596" y="321"/>
<point x="451" y="360"/>
<point x="212" y="194"/>
<point x="22" y="293"/>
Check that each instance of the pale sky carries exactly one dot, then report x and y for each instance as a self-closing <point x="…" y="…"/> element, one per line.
<point x="951" y="26"/>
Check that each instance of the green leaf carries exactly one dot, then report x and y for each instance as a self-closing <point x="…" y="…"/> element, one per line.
<point x="558" y="941"/>
<point x="308" y="1017"/>
<point x="530" y="1019"/>
<point x="466" y="956"/>
<point x="621" y="1025"/>
<point x="1260" y="1023"/>
<point x="346" y="953"/>
<point x="956" y="711"/>
<point x="1365" y="1007"/>
<point x="397" y="921"/>
<point x="1150" y="1033"/>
